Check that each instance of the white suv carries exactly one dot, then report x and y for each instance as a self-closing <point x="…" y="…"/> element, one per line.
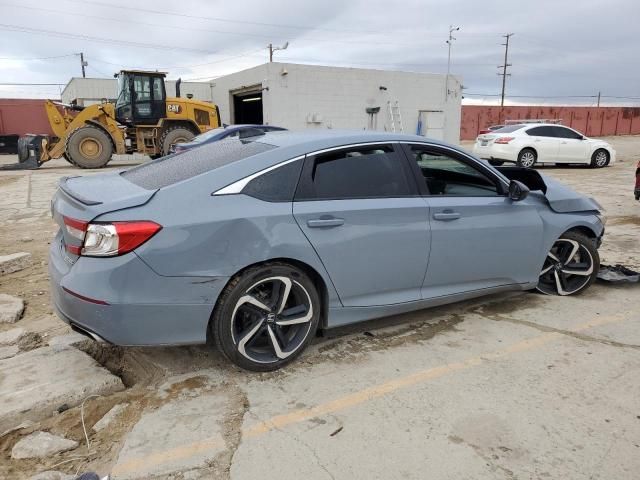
<point x="534" y="143"/>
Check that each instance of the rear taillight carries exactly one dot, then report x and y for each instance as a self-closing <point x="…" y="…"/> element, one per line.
<point x="108" y="239"/>
<point x="503" y="140"/>
<point x="482" y="132"/>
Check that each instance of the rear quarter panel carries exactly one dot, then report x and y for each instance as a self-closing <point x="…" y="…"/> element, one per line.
<point x="217" y="236"/>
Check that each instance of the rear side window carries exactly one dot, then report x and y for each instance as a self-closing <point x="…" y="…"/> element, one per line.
<point x="375" y="171"/>
<point x="278" y="185"/>
<point x="175" y="168"/>
<point x="508" y="129"/>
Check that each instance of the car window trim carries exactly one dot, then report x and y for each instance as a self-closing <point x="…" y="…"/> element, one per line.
<point x="397" y="150"/>
<point x="237" y="186"/>
<point x="457" y="154"/>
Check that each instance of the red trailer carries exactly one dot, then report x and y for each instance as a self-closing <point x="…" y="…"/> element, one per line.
<point x="19" y="116"/>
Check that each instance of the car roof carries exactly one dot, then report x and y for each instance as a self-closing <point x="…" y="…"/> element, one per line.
<point x="246" y="125"/>
<point x="310" y="140"/>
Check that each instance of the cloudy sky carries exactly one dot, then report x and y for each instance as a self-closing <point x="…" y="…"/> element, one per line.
<point x="561" y="51"/>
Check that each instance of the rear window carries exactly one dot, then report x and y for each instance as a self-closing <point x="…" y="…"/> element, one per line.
<point x="509" y="128"/>
<point x="175" y="168"/>
<point x="207" y="135"/>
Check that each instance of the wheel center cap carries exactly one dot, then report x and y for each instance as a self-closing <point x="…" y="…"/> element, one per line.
<point x="558" y="266"/>
<point x="271" y="318"/>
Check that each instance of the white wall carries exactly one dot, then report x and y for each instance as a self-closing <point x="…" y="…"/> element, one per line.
<point x="91" y="90"/>
<point x="310" y="96"/>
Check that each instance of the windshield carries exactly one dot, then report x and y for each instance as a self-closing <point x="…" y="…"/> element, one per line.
<point x="203" y="137"/>
<point x="124" y="93"/>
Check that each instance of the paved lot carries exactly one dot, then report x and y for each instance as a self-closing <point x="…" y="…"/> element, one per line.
<point x="516" y="386"/>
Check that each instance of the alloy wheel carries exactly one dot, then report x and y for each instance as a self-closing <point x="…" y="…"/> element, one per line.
<point x="271" y="321"/>
<point x="601" y="158"/>
<point x="527" y="159"/>
<point x="567" y="269"/>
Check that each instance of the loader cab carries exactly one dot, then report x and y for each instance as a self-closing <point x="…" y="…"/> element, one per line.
<point x="142" y="99"/>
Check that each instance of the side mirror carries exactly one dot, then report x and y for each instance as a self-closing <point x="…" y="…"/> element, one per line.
<point x="518" y="191"/>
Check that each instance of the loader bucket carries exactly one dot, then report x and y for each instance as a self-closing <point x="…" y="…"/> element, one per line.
<point x="29" y="150"/>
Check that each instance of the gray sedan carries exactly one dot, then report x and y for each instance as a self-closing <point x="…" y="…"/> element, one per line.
<point x="255" y="244"/>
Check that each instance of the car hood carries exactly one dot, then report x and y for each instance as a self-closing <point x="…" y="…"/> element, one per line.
<point x="563" y="199"/>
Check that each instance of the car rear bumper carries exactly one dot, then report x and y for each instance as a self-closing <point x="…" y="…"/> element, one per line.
<point x="122" y="301"/>
<point x="495" y="152"/>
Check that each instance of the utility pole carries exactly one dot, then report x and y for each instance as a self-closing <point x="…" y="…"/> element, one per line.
<point x="274" y="49"/>
<point x="504" y="67"/>
<point x="449" y="42"/>
<point x="82" y="63"/>
<point x="599" y="99"/>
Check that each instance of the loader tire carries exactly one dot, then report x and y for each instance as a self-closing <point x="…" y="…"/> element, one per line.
<point x="175" y="135"/>
<point x="23" y="148"/>
<point x="89" y="147"/>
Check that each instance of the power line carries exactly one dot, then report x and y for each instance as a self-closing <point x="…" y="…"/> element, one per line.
<point x="4" y="84"/>
<point x="191" y="29"/>
<point x="215" y="19"/>
<point x="37" y="58"/>
<point x="53" y="33"/>
<point x="174" y="14"/>
<point x="245" y="54"/>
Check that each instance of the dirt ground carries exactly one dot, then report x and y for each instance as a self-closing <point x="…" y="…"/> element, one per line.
<point x="511" y="386"/>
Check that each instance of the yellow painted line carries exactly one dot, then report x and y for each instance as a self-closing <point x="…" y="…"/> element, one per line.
<point x="357" y="398"/>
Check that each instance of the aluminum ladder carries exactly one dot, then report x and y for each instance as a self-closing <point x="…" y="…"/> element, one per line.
<point x="395" y="117"/>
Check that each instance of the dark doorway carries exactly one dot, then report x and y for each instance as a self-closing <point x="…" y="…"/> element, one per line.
<point x="247" y="108"/>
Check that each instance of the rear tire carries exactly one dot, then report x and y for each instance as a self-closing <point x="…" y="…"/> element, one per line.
<point x="175" y="135"/>
<point x="266" y="316"/>
<point x="89" y="147"/>
<point x="600" y="158"/>
<point x="527" y="158"/>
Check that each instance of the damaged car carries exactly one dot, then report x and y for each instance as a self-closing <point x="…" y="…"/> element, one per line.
<point x="254" y="244"/>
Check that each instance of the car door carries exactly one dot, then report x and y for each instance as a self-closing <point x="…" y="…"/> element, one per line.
<point x="479" y="237"/>
<point x="572" y="147"/>
<point x="544" y="142"/>
<point x="360" y="208"/>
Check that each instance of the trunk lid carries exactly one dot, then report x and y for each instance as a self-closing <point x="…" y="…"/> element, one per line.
<point x="486" y="139"/>
<point x="82" y="199"/>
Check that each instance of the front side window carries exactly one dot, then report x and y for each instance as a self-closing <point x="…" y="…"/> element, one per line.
<point x="562" y="132"/>
<point x="124" y="91"/>
<point x="541" y="132"/>
<point x="374" y="171"/>
<point x="142" y="88"/>
<point x="446" y="175"/>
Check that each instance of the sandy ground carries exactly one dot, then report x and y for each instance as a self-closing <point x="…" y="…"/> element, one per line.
<point x="512" y="386"/>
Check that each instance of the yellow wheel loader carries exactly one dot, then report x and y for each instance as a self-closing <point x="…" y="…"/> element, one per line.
<point x="143" y="120"/>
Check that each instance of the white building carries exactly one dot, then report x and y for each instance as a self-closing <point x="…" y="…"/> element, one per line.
<point x="87" y="91"/>
<point x="298" y="96"/>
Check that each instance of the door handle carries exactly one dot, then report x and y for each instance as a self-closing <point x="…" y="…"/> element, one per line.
<point x="446" y="216"/>
<point x="325" y="222"/>
<point x="537" y="140"/>
<point x="563" y="143"/>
